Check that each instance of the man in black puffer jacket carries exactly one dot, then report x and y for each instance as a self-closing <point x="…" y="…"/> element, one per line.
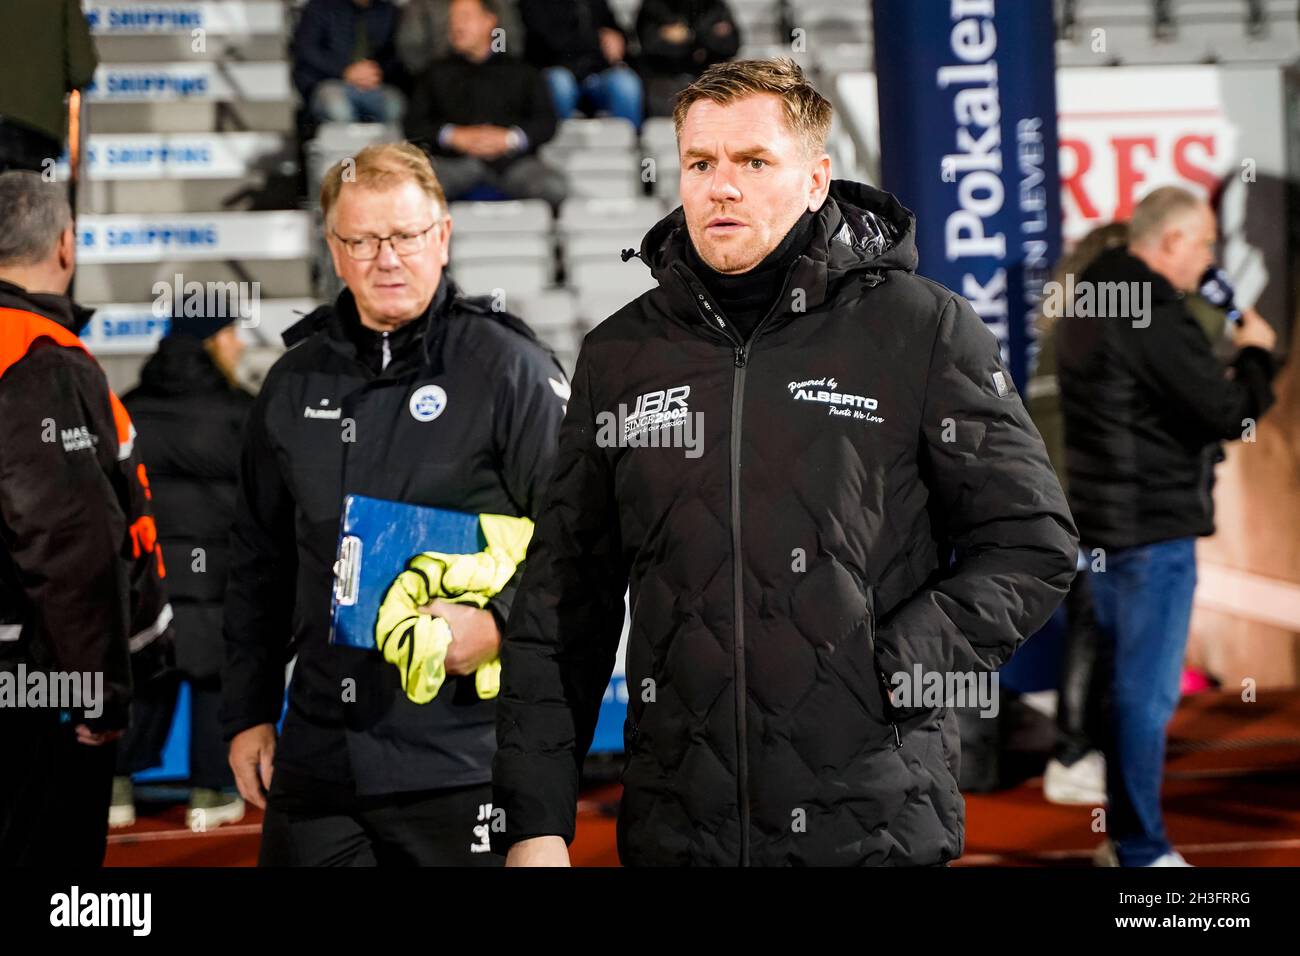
<point x="846" y="492"/>
<point x="190" y="416"/>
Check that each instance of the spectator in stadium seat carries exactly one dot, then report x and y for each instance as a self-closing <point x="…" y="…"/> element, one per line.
<point x="481" y="114"/>
<point x="581" y="48"/>
<point x="52" y="55"/>
<point x="423" y="38"/>
<point x="345" y="61"/>
<point x="679" y="39"/>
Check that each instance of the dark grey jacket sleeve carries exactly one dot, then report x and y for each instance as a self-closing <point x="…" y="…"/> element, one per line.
<point x="1176" y="362"/>
<point x="526" y="425"/>
<point x="995" y="500"/>
<point x="563" y="636"/>
<point x="262" y="585"/>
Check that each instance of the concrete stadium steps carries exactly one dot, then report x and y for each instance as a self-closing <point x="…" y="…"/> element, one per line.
<point x="146" y="173"/>
<point x="190" y="96"/>
<point x="98" y="285"/>
<point x="133" y="30"/>
<point x="191" y="112"/>
<point x="192" y="116"/>
<point x="115" y="329"/>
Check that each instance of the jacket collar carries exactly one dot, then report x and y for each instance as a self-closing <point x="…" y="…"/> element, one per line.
<point x="859" y="234"/>
<point x="59" y="309"/>
<point x="1120" y="265"/>
<point x="332" y="320"/>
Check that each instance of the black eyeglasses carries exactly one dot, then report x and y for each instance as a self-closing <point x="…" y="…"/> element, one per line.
<point x="403" y="243"/>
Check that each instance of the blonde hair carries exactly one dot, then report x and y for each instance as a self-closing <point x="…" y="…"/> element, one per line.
<point x="382" y="166"/>
<point x="807" y="112"/>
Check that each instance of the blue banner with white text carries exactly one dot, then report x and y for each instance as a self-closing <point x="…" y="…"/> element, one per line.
<point x="968" y="142"/>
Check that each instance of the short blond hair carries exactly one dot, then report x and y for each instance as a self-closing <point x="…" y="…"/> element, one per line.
<point x="382" y="166"/>
<point x="807" y="112"/>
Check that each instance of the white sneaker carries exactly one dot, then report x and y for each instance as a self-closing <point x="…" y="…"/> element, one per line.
<point x="210" y="809"/>
<point x="1081" y="783"/>
<point x="1172" y="858"/>
<point x="121" y="811"/>
<point x="1105" y="854"/>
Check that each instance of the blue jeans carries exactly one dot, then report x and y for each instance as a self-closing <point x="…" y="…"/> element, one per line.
<point x="617" y="91"/>
<point x="333" y="101"/>
<point x="1143" y="603"/>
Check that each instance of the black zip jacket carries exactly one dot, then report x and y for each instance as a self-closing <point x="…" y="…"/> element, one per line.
<point x="191" y="422"/>
<point x="326" y="425"/>
<point x="866" y="434"/>
<point x="1145" y="407"/>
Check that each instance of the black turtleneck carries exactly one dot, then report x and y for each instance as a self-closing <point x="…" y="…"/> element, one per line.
<point x="370" y="342"/>
<point x="745" y="297"/>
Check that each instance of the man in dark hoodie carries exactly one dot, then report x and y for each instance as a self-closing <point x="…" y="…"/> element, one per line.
<point x="1146" y="405"/>
<point x="190" y="414"/>
<point x="865" y="507"/>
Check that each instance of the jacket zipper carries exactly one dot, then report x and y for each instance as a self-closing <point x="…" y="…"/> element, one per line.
<point x="740" y="352"/>
<point x="885" y="702"/>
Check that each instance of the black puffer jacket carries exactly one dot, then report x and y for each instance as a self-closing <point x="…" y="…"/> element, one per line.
<point x="190" y="422"/>
<point x="864" y="435"/>
<point x="1146" y="404"/>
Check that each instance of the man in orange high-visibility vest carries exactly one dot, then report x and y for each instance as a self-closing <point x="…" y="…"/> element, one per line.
<point x="82" y="604"/>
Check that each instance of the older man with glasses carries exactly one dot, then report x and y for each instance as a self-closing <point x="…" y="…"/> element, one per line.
<point x="361" y="773"/>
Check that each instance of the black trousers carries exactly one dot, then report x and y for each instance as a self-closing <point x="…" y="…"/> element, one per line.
<point x="151" y="720"/>
<point x="1087" y="662"/>
<point x="305" y="827"/>
<point x="54" y="792"/>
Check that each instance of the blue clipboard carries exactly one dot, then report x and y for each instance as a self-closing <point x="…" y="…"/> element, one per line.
<point x="376" y="539"/>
